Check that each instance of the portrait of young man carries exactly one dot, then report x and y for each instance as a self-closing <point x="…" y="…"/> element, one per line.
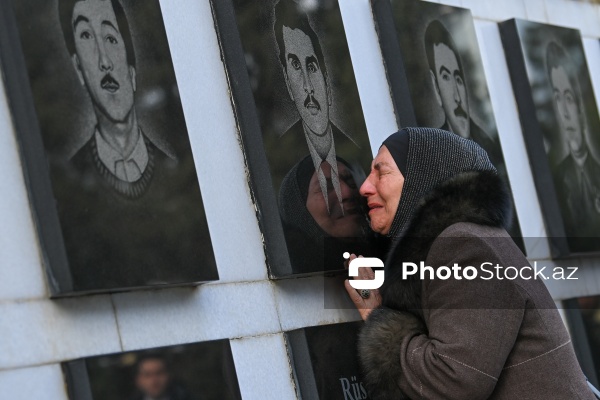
<point x="119" y="153"/>
<point x="577" y="176"/>
<point x="121" y="165"/>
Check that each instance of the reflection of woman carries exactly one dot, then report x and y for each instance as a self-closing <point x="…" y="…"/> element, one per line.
<point x="313" y="228"/>
<point x="442" y="201"/>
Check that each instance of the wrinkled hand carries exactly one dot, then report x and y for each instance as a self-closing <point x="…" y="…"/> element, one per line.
<point x="364" y="306"/>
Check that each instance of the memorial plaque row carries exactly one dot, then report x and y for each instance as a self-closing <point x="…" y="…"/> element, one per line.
<point x="110" y="169"/>
<point x="324" y="359"/>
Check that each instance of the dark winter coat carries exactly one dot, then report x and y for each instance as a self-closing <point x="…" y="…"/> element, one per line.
<point x="466" y="339"/>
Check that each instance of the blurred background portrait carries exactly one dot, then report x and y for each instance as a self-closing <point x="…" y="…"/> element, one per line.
<point x="198" y="371"/>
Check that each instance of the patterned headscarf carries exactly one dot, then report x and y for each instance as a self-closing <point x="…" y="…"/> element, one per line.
<point x="432" y="157"/>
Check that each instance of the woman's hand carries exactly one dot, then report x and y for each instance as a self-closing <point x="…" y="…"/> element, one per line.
<point x="364" y="306"/>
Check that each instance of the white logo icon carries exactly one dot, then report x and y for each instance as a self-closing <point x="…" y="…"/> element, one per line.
<point x="365" y="262"/>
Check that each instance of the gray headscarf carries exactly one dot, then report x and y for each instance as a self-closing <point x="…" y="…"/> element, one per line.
<point x="433" y="156"/>
<point x="292" y="200"/>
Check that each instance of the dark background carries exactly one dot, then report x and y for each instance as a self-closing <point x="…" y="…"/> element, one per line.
<point x="205" y="370"/>
<point x="590" y="313"/>
<point x="332" y="354"/>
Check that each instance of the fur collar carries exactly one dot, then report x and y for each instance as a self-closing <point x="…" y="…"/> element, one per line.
<point x="479" y="197"/>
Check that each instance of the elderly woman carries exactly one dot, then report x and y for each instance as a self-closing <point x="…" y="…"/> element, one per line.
<point x="439" y="197"/>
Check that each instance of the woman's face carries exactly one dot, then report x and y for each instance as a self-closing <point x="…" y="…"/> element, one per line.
<point x="383" y="188"/>
<point x="335" y="222"/>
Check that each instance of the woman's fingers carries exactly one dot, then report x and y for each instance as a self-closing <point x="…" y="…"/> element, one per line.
<point x="366" y="273"/>
<point x="364" y="306"/>
<point x="363" y="273"/>
<point x="347" y="262"/>
<point x="354" y="295"/>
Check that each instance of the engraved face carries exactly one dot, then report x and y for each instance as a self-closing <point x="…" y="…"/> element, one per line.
<point x="101" y="59"/>
<point x="567" y="110"/>
<point x="305" y="81"/>
<point x="452" y="91"/>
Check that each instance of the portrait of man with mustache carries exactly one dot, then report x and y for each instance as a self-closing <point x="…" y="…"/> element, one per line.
<point x="451" y="92"/>
<point x="104" y="59"/>
<point x="128" y="199"/>
<point x="307" y="83"/>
